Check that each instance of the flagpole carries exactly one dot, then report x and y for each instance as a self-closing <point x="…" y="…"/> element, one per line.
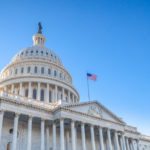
<point x="88" y="88"/>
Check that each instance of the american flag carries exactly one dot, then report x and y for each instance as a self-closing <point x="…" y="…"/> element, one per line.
<point x="91" y="76"/>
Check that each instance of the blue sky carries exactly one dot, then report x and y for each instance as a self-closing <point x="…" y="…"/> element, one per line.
<point x="110" y="38"/>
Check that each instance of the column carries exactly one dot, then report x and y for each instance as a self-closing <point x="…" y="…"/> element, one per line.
<point x="29" y="140"/>
<point x="47" y="93"/>
<point x="42" y="134"/>
<point x="39" y="91"/>
<point x="73" y="98"/>
<point x="53" y="95"/>
<point x="132" y="144"/>
<point x="56" y="93"/>
<point x="123" y="142"/>
<point x="127" y="141"/>
<point x="12" y="88"/>
<point x="15" y="132"/>
<point x="138" y="147"/>
<point x="62" y="146"/>
<point x="101" y="138"/>
<point x="73" y="135"/>
<point x="83" y="136"/>
<point x="109" y="139"/>
<point x="67" y="140"/>
<point x="92" y="137"/>
<point x="47" y="138"/>
<point x="1" y="124"/>
<point x="63" y="93"/>
<point x="116" y="140"/>
<point x="30" y="90"/>
<point x="20" y="89"/>
<point x="54" y="136"/>
<point x="69" y="96"/>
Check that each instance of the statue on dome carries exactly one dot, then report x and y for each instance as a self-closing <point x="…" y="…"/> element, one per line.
<point x="40" y="28"/>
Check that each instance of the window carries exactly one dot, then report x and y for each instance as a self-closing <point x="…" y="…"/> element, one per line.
<point x="50" y="96"/>
<point x="60" y="75"/>
<point x="34" y="96"/>
<point x="42" y="70"/>
<point x="22" y="70"/>
<point x="55" y="73"/>
<point x="35" y="69"/>
<point x="49" y="71"/>
<point x="42" y="95"/>
<point x="42" y="52"/>
<point x="16" y="71"/>
<point x="29" y="69"/>
<point x="26" y="93"/>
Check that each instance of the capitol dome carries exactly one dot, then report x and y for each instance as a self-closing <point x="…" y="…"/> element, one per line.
<point x="37" y="73"/>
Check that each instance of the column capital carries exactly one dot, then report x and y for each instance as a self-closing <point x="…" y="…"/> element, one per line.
<point x="30" y="117"/>
<point x="62" y="119"/>
<point x="73" y="120"/>
<point x="83" y="123"/>
<point x="42" y="119"/>
<point x="17" y="114"/>
<point x="2" y="111"/>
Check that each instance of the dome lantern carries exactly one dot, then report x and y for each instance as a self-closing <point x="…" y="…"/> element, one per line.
<point x="39" y="39"/>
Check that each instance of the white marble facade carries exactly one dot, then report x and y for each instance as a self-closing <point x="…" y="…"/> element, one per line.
<point x="41" y="110"/>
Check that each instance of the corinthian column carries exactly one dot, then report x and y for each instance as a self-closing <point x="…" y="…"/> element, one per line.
<point x="73" y="135"/>
<point x="42" y="134"/>
<point x="15" y="130"/>
<point x="116" y="140"/>
<point x="109" y="139"/>
<point x="54" y="136"/>
<point x="92" y="137"/>
<point x="1" y="124"/>
<point x="62" y="147"/>
<point x="127" y="141"/>
<point x="29" y="140"/>
<point x="101" y="138"/>
<point x="123" y="142"/>
<point x="83" y="136"/>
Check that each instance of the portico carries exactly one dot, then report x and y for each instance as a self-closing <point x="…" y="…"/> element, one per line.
<point x="104" y="135"/>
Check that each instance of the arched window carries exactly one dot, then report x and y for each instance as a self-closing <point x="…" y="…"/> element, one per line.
<point x="35" y="69"/>
<point x="50" y="96"/>
<point x="42" y="70"/>
<point x="29" y="69"/>
<point x="16" y="71"/>
<point x="26" y="93"/>
<point x="34" y="96"/>
<point x="55" y="73"/>
<point x="22" y="70"/>
<point x="60" y="75"/>
<point x="42" y="95"/>
<point x="49" y="71"/>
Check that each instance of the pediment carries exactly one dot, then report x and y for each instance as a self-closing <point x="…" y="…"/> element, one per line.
<point x="95" y="109"/>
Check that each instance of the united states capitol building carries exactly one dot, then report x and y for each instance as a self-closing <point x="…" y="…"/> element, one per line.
<point x="40" y="109"/>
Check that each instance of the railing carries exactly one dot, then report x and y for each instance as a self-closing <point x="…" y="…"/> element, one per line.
<point x="27" y="101"/>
